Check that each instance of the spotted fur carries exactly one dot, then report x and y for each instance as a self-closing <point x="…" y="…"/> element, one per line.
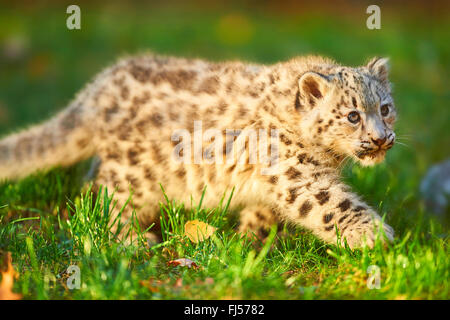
<point x="127" y="115"/>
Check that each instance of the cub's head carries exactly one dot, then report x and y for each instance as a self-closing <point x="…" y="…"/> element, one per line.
<point x="350" y="111"/>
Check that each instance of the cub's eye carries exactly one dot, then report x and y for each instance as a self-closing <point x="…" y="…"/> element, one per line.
<point x="384" y="109"/>
<point x="353" y="117"/>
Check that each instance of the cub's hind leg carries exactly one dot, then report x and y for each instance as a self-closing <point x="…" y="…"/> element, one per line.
<point x="134" y="206"/>
<point x="257" y="220"/>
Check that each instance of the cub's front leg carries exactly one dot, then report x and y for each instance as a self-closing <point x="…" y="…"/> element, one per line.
<point x="316" y="199"/>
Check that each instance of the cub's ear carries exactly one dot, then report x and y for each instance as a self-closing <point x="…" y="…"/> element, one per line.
<point x="313" y="86"/>
<point x="379" y="68"/>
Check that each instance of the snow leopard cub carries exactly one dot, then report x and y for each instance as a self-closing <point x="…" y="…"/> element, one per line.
<point x="135" y="114"/>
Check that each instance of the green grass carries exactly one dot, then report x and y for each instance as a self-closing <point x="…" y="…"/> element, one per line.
<point x="51" y="221"/>
<point x="297" y="266"/>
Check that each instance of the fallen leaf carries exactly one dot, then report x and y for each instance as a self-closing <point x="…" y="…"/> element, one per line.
<point x="183" y="262"/>
<point x="198" y="231"/>
<point x="8" y="281"/>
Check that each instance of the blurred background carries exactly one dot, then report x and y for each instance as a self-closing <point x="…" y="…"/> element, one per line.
<point x="43" y="64"/>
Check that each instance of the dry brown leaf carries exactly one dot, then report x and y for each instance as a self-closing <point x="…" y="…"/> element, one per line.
<point x="183" y="262"/>
<point x="198" y="231"/>
<point x="8" y="281"/>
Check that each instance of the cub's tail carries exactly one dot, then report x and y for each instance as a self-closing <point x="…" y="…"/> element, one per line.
<point x="63" y="140"/>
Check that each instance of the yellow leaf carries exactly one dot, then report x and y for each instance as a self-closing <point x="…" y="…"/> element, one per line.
<point x="198" y="231"/>
<point x="8" y="281"/>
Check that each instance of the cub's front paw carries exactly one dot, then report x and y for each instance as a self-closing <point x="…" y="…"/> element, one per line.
<point x="366" y="232"/>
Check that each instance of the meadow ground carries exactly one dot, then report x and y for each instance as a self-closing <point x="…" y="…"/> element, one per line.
<point x="49" y="221"/>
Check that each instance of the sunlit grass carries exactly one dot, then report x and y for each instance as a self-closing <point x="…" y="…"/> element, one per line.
<point x="292" y="266"/>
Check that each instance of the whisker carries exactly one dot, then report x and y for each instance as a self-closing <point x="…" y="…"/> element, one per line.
<point x="403" y="144"/>
<point x="405" y="138"/>
<point x="343" y="162"/>
<point x="401" y="140"/>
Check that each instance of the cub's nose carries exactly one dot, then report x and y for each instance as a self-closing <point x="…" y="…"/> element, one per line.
<point x="380" y="141"/>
